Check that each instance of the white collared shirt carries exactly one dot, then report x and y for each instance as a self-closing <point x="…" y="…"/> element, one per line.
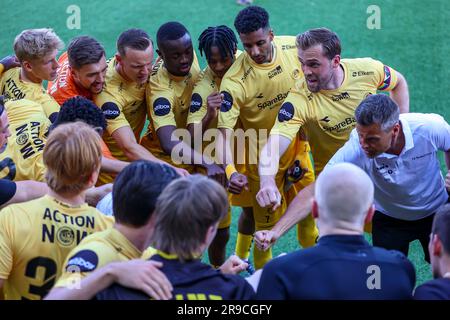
<point x="409" y="186"/>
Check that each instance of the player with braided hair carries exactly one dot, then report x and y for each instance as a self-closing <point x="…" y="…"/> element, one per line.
<point x="219" y="45"/>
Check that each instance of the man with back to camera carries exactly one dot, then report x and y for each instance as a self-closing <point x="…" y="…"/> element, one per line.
<point x="343" y="265"/>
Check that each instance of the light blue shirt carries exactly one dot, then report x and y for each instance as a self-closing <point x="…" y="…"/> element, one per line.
<point x="409" y="186"/>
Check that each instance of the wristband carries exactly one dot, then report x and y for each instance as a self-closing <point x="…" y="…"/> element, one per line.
<point x="229" y="170"/>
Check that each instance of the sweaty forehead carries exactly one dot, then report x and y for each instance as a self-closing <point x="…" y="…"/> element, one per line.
<point x="180" y="44"/>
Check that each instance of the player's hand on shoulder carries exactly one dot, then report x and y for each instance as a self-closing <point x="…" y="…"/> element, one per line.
<point x="10" y="62"/>
<point x="144" y="275"/>
<point x="233" y="265"/>
<point x="264" y="239"/>
<point x="237" y="183"/>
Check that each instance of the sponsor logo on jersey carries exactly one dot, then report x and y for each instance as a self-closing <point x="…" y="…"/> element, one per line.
<point x="22" y="138"/>
<point x="29" y="137"/>
<point x="227" y="102"/>
<point x="296" y="74"/>
<point x="161" y="107"/>
<point x="14" y="91"/>
<point x="110" y="110"/>
<point x="85" y="260"/>
<point x="362" y="73"/>
<point x="342" y="126"/>
<point x="288" y="47"/>
<point x="273" y="73"/>
<point x="286" y="112"/>
<point x="270" y="103"/>
<point x="246" y="73"/>
<point x="341" y="96"/>
<point x="196" y="103"/>
<point x="65" y="236"/>
<point x="259" y="96"/>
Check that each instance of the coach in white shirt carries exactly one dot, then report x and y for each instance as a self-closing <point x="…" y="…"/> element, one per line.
<point x="399" y="153"/>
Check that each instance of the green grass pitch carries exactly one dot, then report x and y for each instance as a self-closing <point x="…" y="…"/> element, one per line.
<point x="413" y="38"/>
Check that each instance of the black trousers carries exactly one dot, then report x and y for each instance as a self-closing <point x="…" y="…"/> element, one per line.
<point x="395" y="234"/>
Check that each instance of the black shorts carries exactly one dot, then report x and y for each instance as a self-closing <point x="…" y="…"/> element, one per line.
<point x="395" y="234"/>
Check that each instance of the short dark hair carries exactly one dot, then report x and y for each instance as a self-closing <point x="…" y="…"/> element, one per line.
<point x="184" y="212"/>
<point x="251" y="19"/>
<point x="80" y="109"/>
<point x="378" y="109"/>
<point x="171" y="30"/>
<point x="136" y="39"/>
<point x="221" y="37"/>
<point x="441" y="226"/>
<point x="84" y="50"/>
<point x="328" y="39"/>
<point x="136" y="190"/>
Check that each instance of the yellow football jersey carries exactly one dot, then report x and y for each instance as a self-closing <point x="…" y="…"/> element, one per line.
<point x="22" y="157"/>
<point x="94" y="252"/>
<point x="168" y="101"/>
<point x="254" y="93"/>
<point x="206" y="84"/>
<point x="328" y="116"/>
<point x="122" y="103"/>
<point x="13" y="88"/>
<point x="35" y="239"/>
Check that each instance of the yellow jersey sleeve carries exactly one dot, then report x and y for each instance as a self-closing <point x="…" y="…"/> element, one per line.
<point x="160" y="104"/>
<point x="84" y="259"/>
<point x="292" y="115"/>
<point x="233" y="97"/>
<point x="385" y="76"/>
<point x="112" y="108"/>
<point x="202" y="89"/>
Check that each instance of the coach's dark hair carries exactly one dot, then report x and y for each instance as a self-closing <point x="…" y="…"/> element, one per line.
<point x="171" y="30"/>
<point x="441" y="226"/>
<point x="84" y="50"/>
<point x="221" y="37"/>
<point x="328" y="39"/>
<point x="378" y="109"/>
<point x="136" y="39"/>
<point x="251" y="19"/>
<point x="136" y="190"/>
<point x="80" y="109"/>
<point x="184" y="213"/>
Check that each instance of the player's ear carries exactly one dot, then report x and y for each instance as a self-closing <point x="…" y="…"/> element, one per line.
<point x="118" y="57"/>
<point x="72" y="72"/>
<point x="336" y="61"/>
<point x="159" y="53"/>
<point x="271" y="35"/>
<point x="27" y="66"/>
<point x="315" y="210"/>
<point x="436" y="245"/>
<point x="369" y="214"/>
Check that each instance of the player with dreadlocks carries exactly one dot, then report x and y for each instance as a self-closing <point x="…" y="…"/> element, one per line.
<point x="219" y="46"/>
